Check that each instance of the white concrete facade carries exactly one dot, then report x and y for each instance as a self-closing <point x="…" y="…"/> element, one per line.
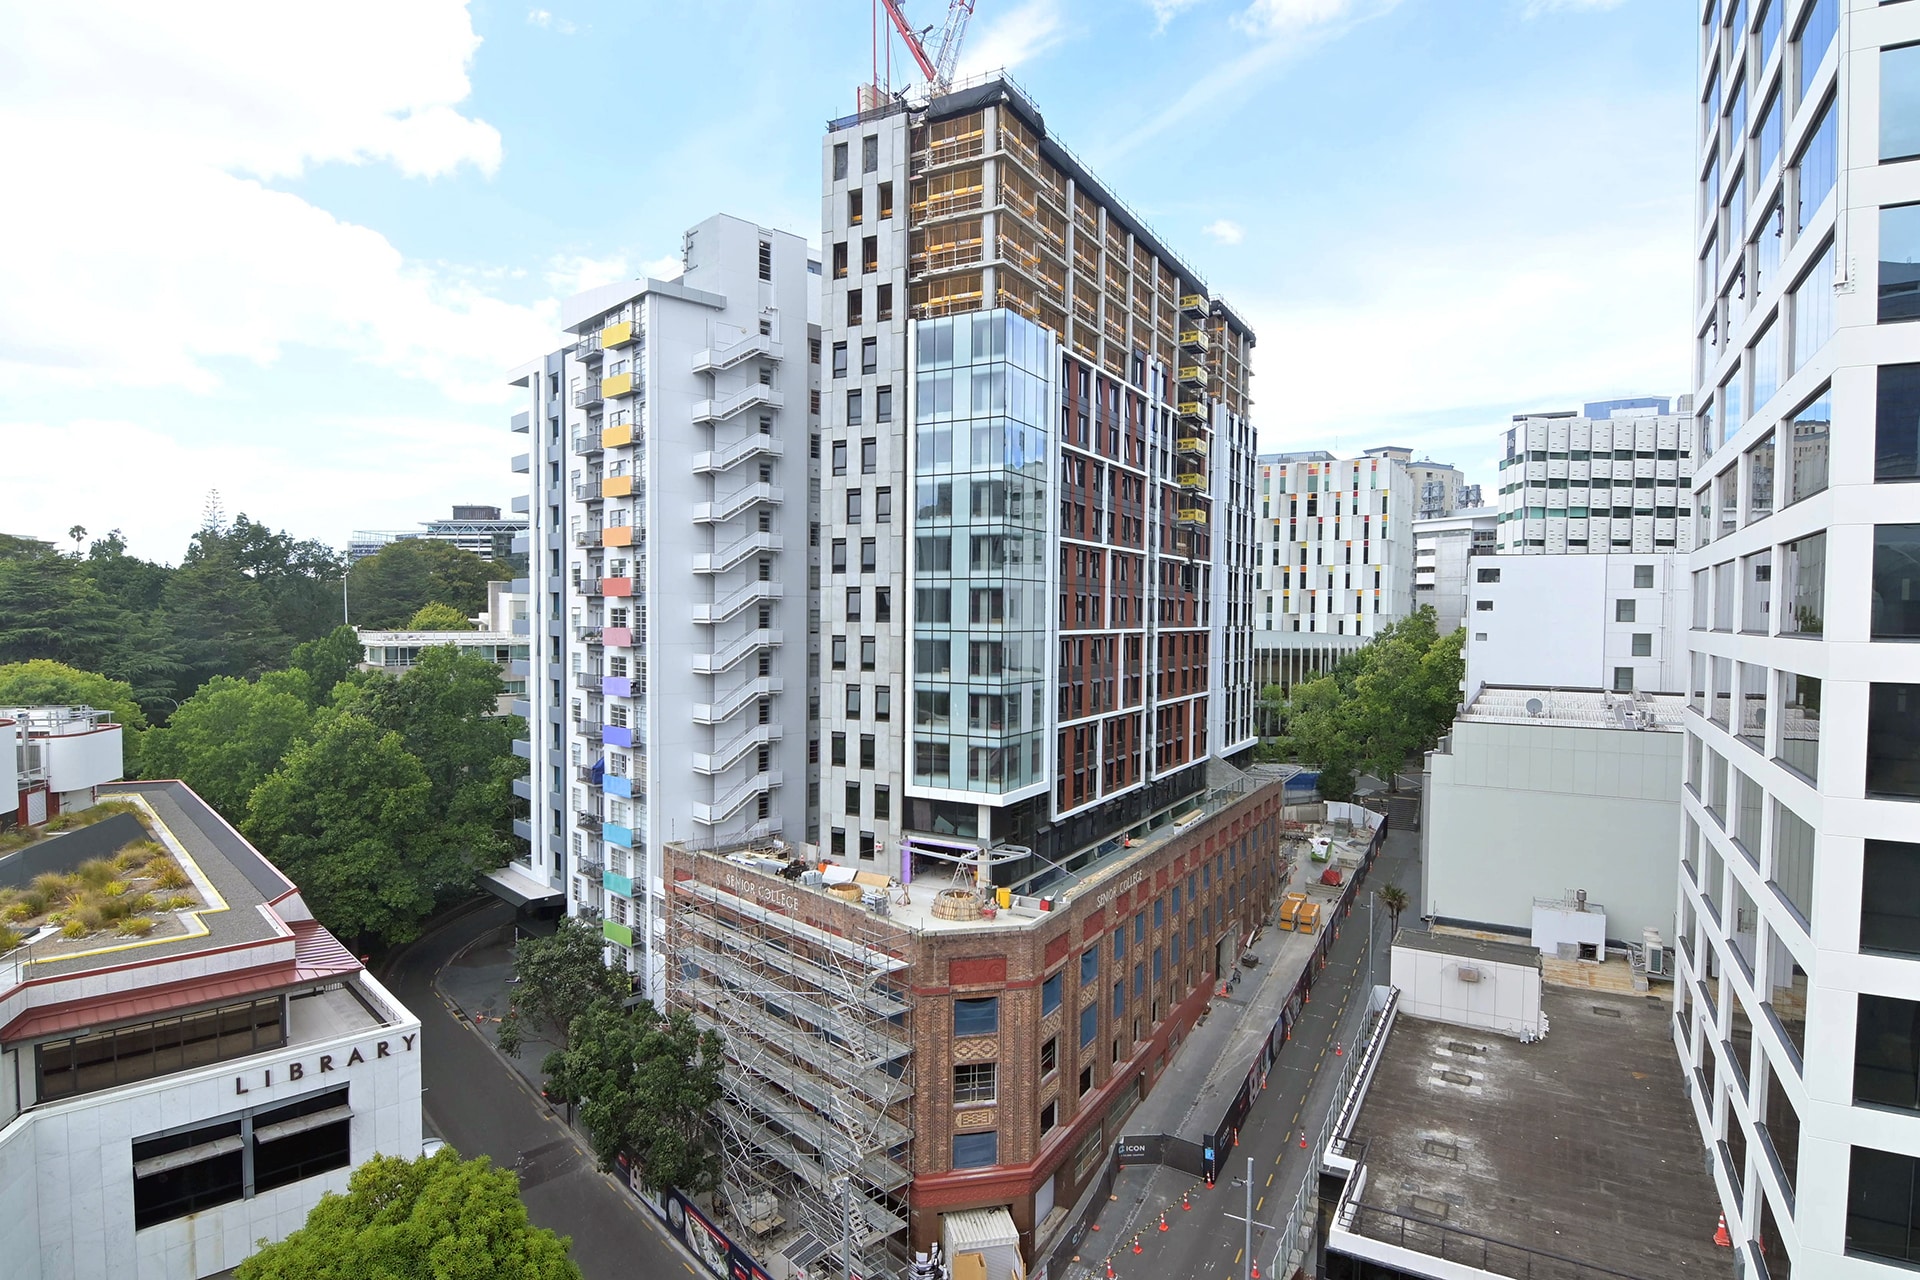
<point x="53" y="760"/>
<point x="1337" y="547"/>
<point x="1572" y="485"/>
<point x="1613" y="622"/>
<point x="687" y="595"/>
<point x="1520" y="808"/>
<point x="1441" y="548"/>
<point x="1800" y="833"/>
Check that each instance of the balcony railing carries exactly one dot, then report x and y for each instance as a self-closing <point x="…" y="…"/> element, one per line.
<point x="586" y="821"/>
<point x="589" y="680"/>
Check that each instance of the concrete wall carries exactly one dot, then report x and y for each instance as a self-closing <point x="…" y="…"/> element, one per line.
<point x="1553" y="621"/>
<point x="1518" y="812"/>
<point x="1502" y="997"/>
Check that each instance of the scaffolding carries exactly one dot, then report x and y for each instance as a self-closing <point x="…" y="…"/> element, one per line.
<point x="817" y="1082"/>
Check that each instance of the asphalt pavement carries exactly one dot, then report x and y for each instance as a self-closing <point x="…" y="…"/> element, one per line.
<point x="482" y="1107"/>
<point x="1205" y="1235"/>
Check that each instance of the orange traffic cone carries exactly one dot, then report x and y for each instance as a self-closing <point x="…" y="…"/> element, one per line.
<point x="1136" y="1245"/>
<point x="1109" y="1269"/>
<point x="1720" y="1236"/>
<point x="1186" y="1201"/>
<point x="1256" y="1271"/>
<point x="1336" y="1050"/>
<point x="1303" y="1141"/>
<point x="1163" y="1219"/>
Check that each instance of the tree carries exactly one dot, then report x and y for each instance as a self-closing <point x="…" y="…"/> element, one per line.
<point x="646" y="1085"/>
<point x="50" y="609"/>
<point x="389" y="587"/>
<point x="348" y="817"/>
<point x="1395" y="900"/>
<point x="439" y="617"/>
<point x="1318" y="732"/>
<point x="434" y="1218"/>
<point x="555" y="980"/>
<point x="43" y="683"/>
<point x="334" y="657"/>
<point x="227" y="738"/>
<point x="221" y="615"/>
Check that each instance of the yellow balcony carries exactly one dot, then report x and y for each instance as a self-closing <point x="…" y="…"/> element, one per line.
<point x="618" y="335"/>
<point x="617" y="535"/>
<point x="1192" y="373"/>
<point x="614" y="437"/>
<point x="616" y="487"/>
<point x="620" y="384"/>
<point x="1193" y="409"/>
<point x="1192" y="515"/>
<point x="1192" y="480"/>
<point x="1193" y="444"/>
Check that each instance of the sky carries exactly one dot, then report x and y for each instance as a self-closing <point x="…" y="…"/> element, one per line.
<point x="290" y="252"/>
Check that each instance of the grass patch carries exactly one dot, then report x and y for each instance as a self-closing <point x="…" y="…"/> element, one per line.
<point x="168" y="874"/>
<point x="9" y="938"/>
<point x="73" y="929"/>
<point x="136" y="927"/>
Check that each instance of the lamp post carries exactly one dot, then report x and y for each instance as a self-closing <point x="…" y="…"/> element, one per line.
<point x="1246" y="1270"/>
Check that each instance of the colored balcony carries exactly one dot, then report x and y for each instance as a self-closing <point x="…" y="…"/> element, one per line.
<point x="619" y="335"/>
<point x="1194" y="339"/>
<point x="617" y="687"/>
<point x="613" y="931"/>
<point x="616" y="487"/>
<point x="617" y="735"/>
<point x="616" y="586"/>
<point x="617" y="535"/>
<point x="617" y="786"/>
<point x="1192" y="515"/>
<point x="1193" y="446"/>
<point x="1194" y="374"/>
<point x="1192" y="480"/>
<point x="620" y="384"/>
<point x="615" y="436"/>
<point x="1193" y="409"/>
<point x="614" y="833"/>
<point x="614" y="882"/>
<point x="622" y="636"/>
<point x="1194" y="303"/>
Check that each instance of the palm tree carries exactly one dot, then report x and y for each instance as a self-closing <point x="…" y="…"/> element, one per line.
<point x="1395" y="900"/>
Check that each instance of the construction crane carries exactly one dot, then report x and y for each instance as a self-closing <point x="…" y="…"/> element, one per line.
<point x="937" y="66"/>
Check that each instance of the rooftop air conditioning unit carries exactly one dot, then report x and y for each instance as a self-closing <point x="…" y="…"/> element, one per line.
<point x="1468" y="973"/>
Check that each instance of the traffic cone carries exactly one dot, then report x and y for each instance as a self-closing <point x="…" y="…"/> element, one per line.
<point x="1163" y="1219"/>
<point x="1136" y="1245"/>
<point x="1236" y="1137"/>
<point x="1109" y="1269"/>
<point x="1186" y="1201"/>
<point x="1209" y="1182"/>
<point x="1256" y="1271"/>
<point x="1303" y="1141"/>
<point x="1720" y="1236"/>
<point x="1336" y="1050"/>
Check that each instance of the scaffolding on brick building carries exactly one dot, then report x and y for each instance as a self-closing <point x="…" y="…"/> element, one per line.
<point x="817" y="1081"/>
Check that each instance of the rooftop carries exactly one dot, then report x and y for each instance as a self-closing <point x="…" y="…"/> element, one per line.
<point x="1579" y="1147"/>
<point x="1576" y="708"/>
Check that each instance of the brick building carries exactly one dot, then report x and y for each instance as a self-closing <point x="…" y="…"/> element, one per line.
<point x="900" y="1052"/>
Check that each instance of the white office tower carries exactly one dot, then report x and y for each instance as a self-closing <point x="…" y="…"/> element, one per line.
<point x="1338" y="543"/>
<point x="1798" y="1012"/>
<point x="1598" y="484"/>
<point x="686" y="598"/>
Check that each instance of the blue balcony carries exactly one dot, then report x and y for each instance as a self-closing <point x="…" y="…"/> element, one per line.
<point x="616" y="735"/>
<point x="614" y="833"/>
<point x="523" y="829"/>
<point x="522" y="748"/>
<point x="615" y="883"/>
<point x="617" y="786"/>
<point x="617" y="686"/>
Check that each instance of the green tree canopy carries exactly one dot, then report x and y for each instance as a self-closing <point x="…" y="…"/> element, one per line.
<point x="646" y="1085"/>
<point x="439" y="617"/>
<point x="389" y="587"/>
<point x="556" y="980"/>
<point x="348" y="817"/>
<point x="435" y="1218"/>
<point x="227" y="738"/>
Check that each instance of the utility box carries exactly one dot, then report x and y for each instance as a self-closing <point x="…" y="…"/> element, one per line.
<point x="1290" y="910"/>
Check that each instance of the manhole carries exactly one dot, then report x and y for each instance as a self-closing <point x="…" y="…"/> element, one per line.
<point x="1456" y="1077"/>
<point x="1428" y="1207"/>
<point x="1442" y="1150"/>
<point x="1461" y="1046"/>
<point x="1606" y="1010"/>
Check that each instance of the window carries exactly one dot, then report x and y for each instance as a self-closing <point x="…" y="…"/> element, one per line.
<point x="211" y="1164"/>
<point x="838" y="553"/>
<point x="1817" y="166"/>
<point x="1623" y="679"/>
<point x="883" y="302"/>
<point x="882" y="500"/>
<point x="854" y="418"/>
<point x="1897" y="423"/>
<point x="1893" y="740"/>
<point x="853" y="702"/>
<point x="1086" y="1081"/>
<point x="856" y="307"/>
<point x="1089" y="966"/>
<point x="839" y="359"/>
<point x="1483" y="606"/>
<point x="870" y="154"/>
<point x="840" y="261"/>
<point x="301" y="1140"/>
<point x="1900" y="263"/>
<point x="838" y="844"/>
<point x="975" y="1150"/>
<point x="839" y="653"/>
<point x="853" y="507"/>
<point x="141" y="1051"/>
<point x="882" y="803"/>
<point x="1896" y="582"/>
<point x="766" y="260"/>
<point x="1623" y="610"/>
<point x="1883" y="1204"/>
<point x="838" y="750"/>
<point x="1119" y="1001"/>
<point x="870" y="255"/>
<point x="839" y="161"/>
<point x="1813" y="39"/>
<point x="973" y="1082"/>
<point x="883" y="404"/>
<point x="1886" y="1053"/>
<point x="1803" y="588"/>
<point x="1049" y="1001"/>
<point x="1900" y="103"/>
<point x="886" y="199"/>
<point x="882" y="693"/>
<point x="869" y="456"/>
<point x="1089" y="1024"/>
<point x="855" y="206"/>
<point x="869" y="355"/>
<point x="867" y="746"/>
<point x="1049" y="1116"/>
<point x="839" y="457"/>
<point x="1642" y="577"/>
<point x="976" y="1016"/>
<point x="1486" y="575"/>
<point x="1642" y="644"/>
<point x="1890" y="899"/>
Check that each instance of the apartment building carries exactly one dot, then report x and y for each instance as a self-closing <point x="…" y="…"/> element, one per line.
<point x="1442" y="548"/>
<point x="1439" y="488"/>
<point x="1799" y="898"/>
<point x="172" y="1095"/>
<point x="54" y="760"/>
<point x="479" y="529"/>
<point x="1037" y="596"/>
<point x="1616" y="623"/>
<point x="1614" y="478"/>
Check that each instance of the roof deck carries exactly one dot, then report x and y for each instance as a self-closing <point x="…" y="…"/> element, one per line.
<point x="1572" y="1156"/>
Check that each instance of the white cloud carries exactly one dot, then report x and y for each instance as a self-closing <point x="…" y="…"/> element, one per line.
<point x="1165" y="11"/>
<point x="544" y="18"/>
<point x="1225" y="231"/>
<point x="568" y="274"/>
<point x="1288" y="17"/>
<point x="1018" y="35"/>
<point x="374" y="468"/>
<point x="151" y="132"/>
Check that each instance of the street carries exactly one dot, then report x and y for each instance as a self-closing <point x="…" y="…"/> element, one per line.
<point x="1208" y="1239"/>
<point x="482" y="1107"/>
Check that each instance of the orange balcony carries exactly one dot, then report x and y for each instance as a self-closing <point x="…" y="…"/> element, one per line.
<point x="616" y="535"/>
<point x="616" y="487"/>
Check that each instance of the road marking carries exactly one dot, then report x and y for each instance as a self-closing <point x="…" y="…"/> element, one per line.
<point x="1236" y="1255"/>
<point x="1260" y="1204"/>
<point x="1270" y="1176"/>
